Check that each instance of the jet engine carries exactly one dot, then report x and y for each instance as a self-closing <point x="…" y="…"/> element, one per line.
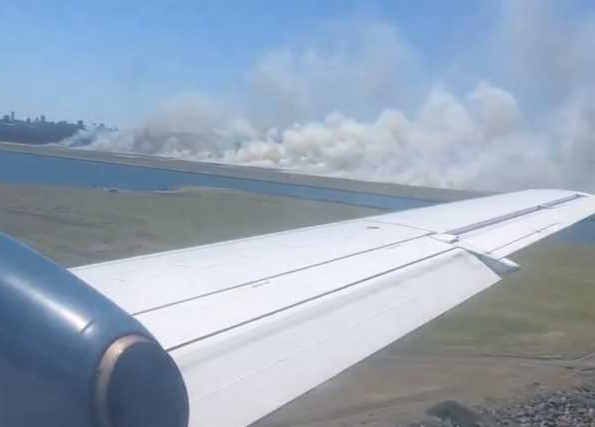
<point x="71" y="357"/>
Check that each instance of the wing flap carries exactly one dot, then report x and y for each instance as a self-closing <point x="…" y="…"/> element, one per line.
<point x="200" y="318"/>
<point x="236" y="377"/>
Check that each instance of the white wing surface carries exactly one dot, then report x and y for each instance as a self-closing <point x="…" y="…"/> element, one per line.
<point x="256" y="322"/>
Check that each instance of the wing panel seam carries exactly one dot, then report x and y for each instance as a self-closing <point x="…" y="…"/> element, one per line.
<point x="307" y="300"/>
<point x="274" y="276"/>
<point x="515" y="214"/>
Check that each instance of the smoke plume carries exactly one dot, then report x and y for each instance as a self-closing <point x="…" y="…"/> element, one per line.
<point x="357" y="102"/>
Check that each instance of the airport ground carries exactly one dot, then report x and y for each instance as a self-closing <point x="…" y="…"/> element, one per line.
<point x="532" y="332"/>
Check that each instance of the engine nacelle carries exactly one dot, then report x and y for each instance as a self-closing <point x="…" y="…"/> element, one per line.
<point x="71" y="357"/>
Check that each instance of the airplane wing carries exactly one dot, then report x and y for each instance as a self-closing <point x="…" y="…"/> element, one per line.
<point x="254" y="323"/>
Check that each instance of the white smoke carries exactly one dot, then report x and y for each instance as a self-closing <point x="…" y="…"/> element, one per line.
<point x="345" y="108"/>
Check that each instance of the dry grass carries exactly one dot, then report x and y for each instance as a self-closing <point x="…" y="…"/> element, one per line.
<point x="548" y="308"/>
<point x="82" y="226"/>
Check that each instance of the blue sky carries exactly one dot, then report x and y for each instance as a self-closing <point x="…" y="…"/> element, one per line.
<point x="114" y="61"/>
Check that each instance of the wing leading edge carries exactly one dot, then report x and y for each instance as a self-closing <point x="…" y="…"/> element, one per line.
<point x="256" y="322"/>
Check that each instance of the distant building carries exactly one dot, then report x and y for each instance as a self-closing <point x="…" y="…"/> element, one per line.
<point x="37" y="131"/>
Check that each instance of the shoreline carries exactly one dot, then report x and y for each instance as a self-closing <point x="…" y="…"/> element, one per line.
<point x="267" y="175"/>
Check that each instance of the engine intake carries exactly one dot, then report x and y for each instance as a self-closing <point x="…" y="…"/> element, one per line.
<point x="71" y="357"/>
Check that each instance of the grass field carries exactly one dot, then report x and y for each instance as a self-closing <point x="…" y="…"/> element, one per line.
<point x="80" y="226"/>
<point x="546" y="309"/>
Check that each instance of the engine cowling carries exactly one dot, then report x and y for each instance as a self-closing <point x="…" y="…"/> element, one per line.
<point x="71" y="357"/>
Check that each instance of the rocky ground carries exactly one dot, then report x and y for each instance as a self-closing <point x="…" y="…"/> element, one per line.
<point x="561" y="408"/>
<point x="572" y="406"/>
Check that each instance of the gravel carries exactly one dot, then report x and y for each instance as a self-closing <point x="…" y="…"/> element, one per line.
<point x="567" y="408"/>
